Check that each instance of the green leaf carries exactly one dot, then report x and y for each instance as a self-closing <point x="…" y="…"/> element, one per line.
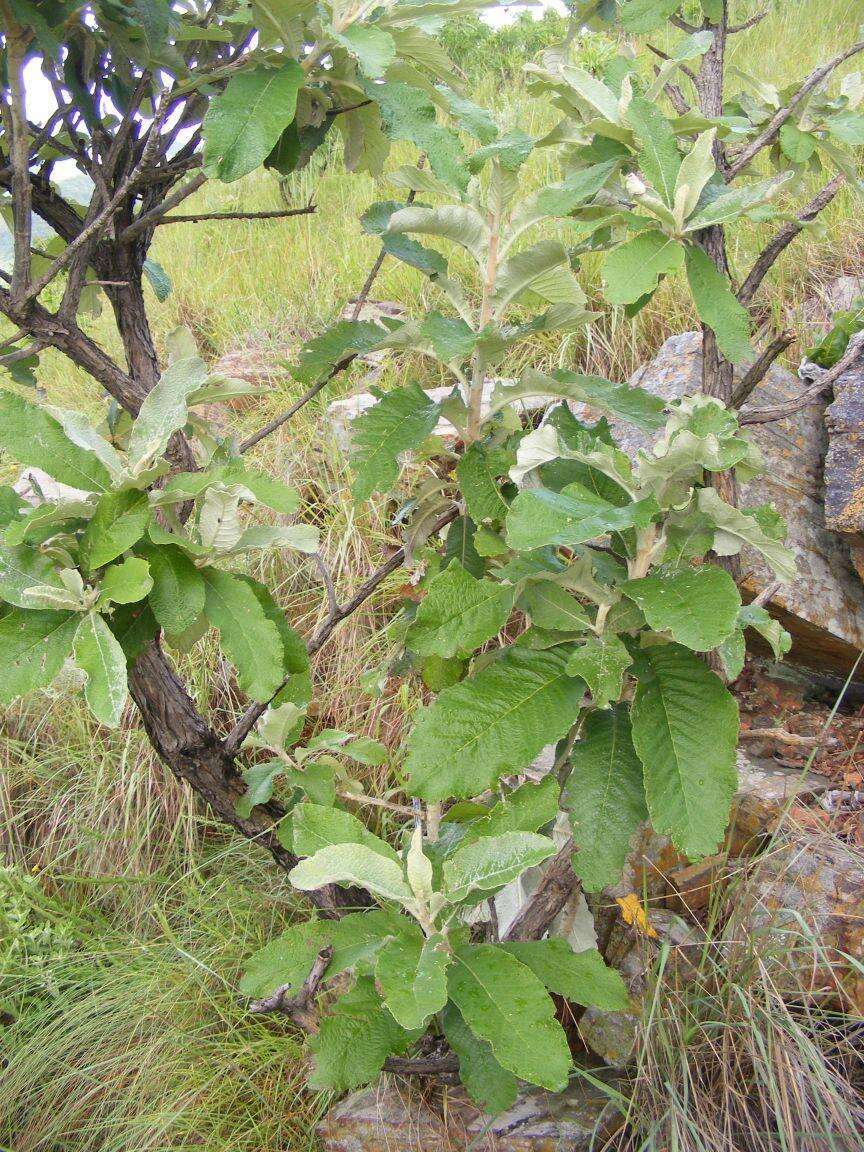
<point x="120" y="520"/>
<point x="459" y="614"/>
<point x="799" y="146"/>
<point x="730" y="205"/>
<point x="696" y="170"/>
<point x="561" y="199"/>
<point x="125" y="583"/>
<point x="98" y="654"/>
<point x="411" y="974"/>
<point x="538" y="517"/>
<point x="459" y="546"/>
<point x="551" y="606"/>
<point x="490" y="1086"/>
<point x="408" y="114"/>
<point x="511" y="150"/>
<point x="35" y="439"/>
<point x="375" y="221"/>
<point x="352" y="864"/>
<point x="354" y="1040"/>
<point x="493" y="861"/>
<point x="164" y="410"/>
<point x="259" y="781"/>
<point x="525" y="809"/>
<point x="177" y="596"/>
<point x="647" y="15"/>
<point x="401" y="420"/>
<point x="580" y="977"/>
<point x="451" y="338"/>
<point x="477" y="472"/>
<point x="717" y="306"/>
<point x="250" y="641"/>
<point x="771" y="630"/>
<point x="503" y="1003"/>
<point x="533" y="269"/>
<point x="348" y="338"/>
<point x="699" y="607"/>
<point x="685" y="731"/>
<point x="33" y="647"/>
<point x="474" y="120"/>
<point x="847" y="127"/>
<point x="315" y="827"/>
<point x="659" y="157"/>
<point x="604" y="796"/>
<point x="735" y="529"/>
<point x="601" y="662"/>
<point x="454" y="222"/>
<point x="246" y="119"/>
<point x="372" y="48"/>
<point x="632" y="270"/>
<point x="494" y="723"/>
<point x="158" y="279"/>
<point x="732" y="654"/>
<point x="22" y="568"/>
<point x="593" y="92"/>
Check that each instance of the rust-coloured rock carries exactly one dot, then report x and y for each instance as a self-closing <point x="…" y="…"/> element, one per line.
<point x="811" y="884"/>
<point x="393" y="1117"/>
<point x="824" y="607"/>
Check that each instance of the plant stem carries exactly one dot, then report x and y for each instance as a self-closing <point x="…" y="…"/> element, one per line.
<point x="478" y="378"/>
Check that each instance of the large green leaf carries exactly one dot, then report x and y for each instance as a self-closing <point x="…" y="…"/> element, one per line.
<point x="632" y="270"/>
<point x="401" y="420"/>
<point x="459" y="614"/>
<point x="525" y="809"/>
<point x="455" y="222"/>
<point x="120" y="520"/>
<point x="659" y="157"/>
<point x="343" y="341"/>
<point x="647" y="15"/>
<point x="251" y="641"/>
<point x="580" y="977"/>
<point x="494" y="723"/>
<point x="373" y="48"/>
<point x="352" y="864"/>
<point x="503" y="1003"/>
<point x="685" y="731"/>
<point x="551" y="606"/>
<point x="33" y="647"/>
<point x="601" y="662"/>
<point x="177" y="596"/>
<point x="491" y="1087"/>
<point x="539" y="517"/>
<point x="493" y="861"/>
<point x="699" y="607"/>
<point x="22" y="568"/>
<point x="629" y="403"/>
<point x="164" y="410"/>
<point x="729" y="205"/>
<point x="718" y="307"/>
<point x="605" y="797"/>
<point x="355" y="1039"/>
<point x="98" y="654"/>
<point x="315" y="827"/>
<point x="244" y="122"/>
<point x="409" y="114"/>
<point x="478" y="471"/>
<point x="35" y="439"/>
<point x="411" y="974"/>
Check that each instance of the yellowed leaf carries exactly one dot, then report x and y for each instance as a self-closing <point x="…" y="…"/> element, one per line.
<point x="635" y="915"/>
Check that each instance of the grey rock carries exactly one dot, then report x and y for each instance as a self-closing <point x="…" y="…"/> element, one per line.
<point x="393" y="1116"/>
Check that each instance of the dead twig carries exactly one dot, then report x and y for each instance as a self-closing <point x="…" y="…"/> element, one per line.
<point x="781" y="736"/>
<point x="774" y="412"/>
<point x="757" y="371"/>
<point x="299" y="1008"/>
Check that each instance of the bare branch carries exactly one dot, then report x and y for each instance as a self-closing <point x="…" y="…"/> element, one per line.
<point x="770" y="254"/>
<point x="15" y="121"/>
<point x="275" y="214"/>
<point x="558" y="884"/>
<point x="688" y="72"/>
<point x="255" y="711"/>
<point x="770" y="134"/>
<point x="767" y="595"/>
<point x="768" y="415"/>
<point x="757" y="370"/>
<point x="308" y="395"/>
<point x="781" y="736"/>
<point x="151" y="218"/>
<point x="690" y="29"/>
<point x="301" y="1007"/>
<point x="747" y="24"/>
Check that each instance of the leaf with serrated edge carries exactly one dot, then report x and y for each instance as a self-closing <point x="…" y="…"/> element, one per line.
<point x="459" y="614"/>
<point x="632" y="270"/>
<point x="539" y="517"/>
<point x="685" y="731"/>
<point x="411" y="974"/>
<point x="352" y="864"/>
<point x="601" y="662"/>
<point x="698" y="607"/>
<point x="35" y="439"/>
<point x="316" y="827"/>
<point x="494" y="723"/>
<point x="354" y="1040"/>
<point x="491" y="1087"/>
<point x="604" y="796"/>
<point x="580" y="977"/>
<point x="493" y="861"/>
<point x="177" y="596"/>
<point x="718" y="307"/>
<point x="250" y="641"/>
<point x="401" y="420"/>
<point x="98" y="653"/>
<point x="33" y="647"/>
<point x="734" y="529"/>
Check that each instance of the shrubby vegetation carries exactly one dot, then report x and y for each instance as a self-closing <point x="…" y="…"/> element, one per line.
<point x="573" y="595"/>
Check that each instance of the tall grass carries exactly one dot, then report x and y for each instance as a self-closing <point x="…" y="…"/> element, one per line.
<point x="125" y="912"/>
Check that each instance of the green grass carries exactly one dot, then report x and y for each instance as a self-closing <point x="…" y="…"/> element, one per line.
<point x="125" y="913"/>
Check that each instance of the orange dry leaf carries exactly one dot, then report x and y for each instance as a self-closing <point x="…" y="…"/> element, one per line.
<point x="635" y="915"/>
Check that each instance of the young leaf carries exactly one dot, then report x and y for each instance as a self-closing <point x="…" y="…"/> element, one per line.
<point x="494" y="723"/>
<point x="251" y="641"/>
<point x="601" y="662"/>
<point x="527" y="808"/>
<point x="698" y="606"/>
<point x="411" y="974"/>
<point x="717" y="306"/>
<point x="125" y="583"/>
<point x="735" y="529"/>
<point x="120" y="520"/>
<point x="315" y="827"/>
<point x="33" y="647"/>
<point x="538" y="517"/>
<point x="401" y="420"/>
<point x="503" y="1003"/>
<point x="736" y="202"/>
<point x="352" y="864"/>
<point x="685" y="731"/>
<point x="493" y="861"/>
<point x="177" y="596"/>
<point x="491" y="1087"/>
<point x="98" y="654"/>
<point x="164" y="410"/>
<point x="696" y="170"/>
<point x="659" y="157"/>
<point x="459" y="614"/>
<point x="771" y="630"/>
<point x="581" y="977"/>
<point x="355" y="1039"/>
<point x="604" y="796"/>
<point x="259" y="780"/>
<point x="244" y="122"/>
<point x="632" y="270"/>
<point x="35" y="439"/>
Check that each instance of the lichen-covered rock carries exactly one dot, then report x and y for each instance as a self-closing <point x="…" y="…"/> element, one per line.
<point x="393" y="1117"/>
<point x="812" y="887"/>
<point x="824" y="607"/>
<point x="844" y="463"/>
